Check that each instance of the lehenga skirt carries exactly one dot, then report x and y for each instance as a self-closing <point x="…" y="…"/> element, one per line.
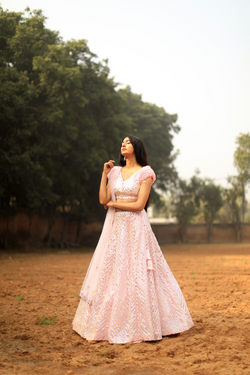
<point x="137" y="297"/>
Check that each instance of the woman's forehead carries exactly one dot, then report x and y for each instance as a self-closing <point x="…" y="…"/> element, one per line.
<point x="126" y="139"/>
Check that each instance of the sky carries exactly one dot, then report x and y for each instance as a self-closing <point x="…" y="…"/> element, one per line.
<point x="190" y="57"/>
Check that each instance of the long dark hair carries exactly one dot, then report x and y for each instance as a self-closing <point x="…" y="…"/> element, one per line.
<point x="140" y="152"/>
<point x="140" y="155"/>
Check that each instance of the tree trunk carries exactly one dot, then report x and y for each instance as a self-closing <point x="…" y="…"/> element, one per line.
<point x="78" y="231"/>
<point x="210" y="232"/>
<point x="50" y="226"/>
<point x="65" y="221"/>
<point x="5" y="243"/>
<point x="30" y="223"/>
<point x="49" y="233"/>
<point x="243" y="203"/>
<point x="183" y="231"/>
<point x="238" y="232"/>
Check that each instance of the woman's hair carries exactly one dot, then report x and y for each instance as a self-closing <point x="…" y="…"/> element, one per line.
<point x="140" y="152"/>
<point x="140" y="155"/>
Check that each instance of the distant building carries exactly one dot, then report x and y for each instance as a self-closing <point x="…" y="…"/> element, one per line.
<point x="160" y="220"/>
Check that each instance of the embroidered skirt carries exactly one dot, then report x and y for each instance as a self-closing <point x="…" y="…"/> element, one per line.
<point x="137" y="297"/>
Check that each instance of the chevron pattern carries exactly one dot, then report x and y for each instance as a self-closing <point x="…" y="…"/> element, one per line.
<point x="133" y="303"/>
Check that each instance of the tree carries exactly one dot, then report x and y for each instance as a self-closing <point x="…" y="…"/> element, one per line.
<point x="24" y="182"/>
<point x="211" y="196"/>
<point x="242" y="163"/>
<point x="235" y="197"/>
<point x="154" y="127"/>
<point x="61" y="118"/>
<point x="187" y="201"/>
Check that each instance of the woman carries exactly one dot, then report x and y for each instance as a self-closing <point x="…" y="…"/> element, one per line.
<point x="129" y="293"/>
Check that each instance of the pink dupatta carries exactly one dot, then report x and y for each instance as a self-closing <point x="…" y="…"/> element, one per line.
<point x="96" y="264"/>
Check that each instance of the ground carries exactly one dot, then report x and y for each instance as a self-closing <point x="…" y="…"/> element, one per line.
<point x="215" y="280"/>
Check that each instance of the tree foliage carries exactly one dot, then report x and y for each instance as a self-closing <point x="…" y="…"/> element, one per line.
<point x="62" y="117"/>
<point x="242" y="158"/>
<point x="187" y="200"/>
<point x="235" y="197"/>
<point x="196" y="197"/>
<point x="211" y="196"/>
<point x="155" y="127"/>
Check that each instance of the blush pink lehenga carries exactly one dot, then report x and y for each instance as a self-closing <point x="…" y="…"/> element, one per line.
<point x="129" y="293"/>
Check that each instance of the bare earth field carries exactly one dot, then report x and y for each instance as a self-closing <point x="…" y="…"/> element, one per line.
<point x="215" y="280"/>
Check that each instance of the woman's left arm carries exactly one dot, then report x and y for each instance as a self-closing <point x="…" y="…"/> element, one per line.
<point x="141" y="201"/>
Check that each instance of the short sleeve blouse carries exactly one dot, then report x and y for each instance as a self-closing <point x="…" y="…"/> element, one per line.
<point x="144" y="173"/>
<point x="112" y="171"/>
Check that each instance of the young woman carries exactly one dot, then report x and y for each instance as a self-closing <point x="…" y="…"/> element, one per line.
<point x="129" y="293"/>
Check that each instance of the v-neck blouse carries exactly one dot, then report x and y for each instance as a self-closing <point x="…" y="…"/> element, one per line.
<point x="129" y="188"/>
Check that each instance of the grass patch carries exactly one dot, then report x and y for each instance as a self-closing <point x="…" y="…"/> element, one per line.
<point x="76" y="295"/>
<point x="20" y="298"/>
<point x="194" y="278"/>
<point x="80" y="271"/>
<point x="215" y="270"/>
<point x="102" y="353"/>
<point x="13" y="278"/>
<point x="3" y="271"/>
<point x="223" y="259"/>
<point x="246" y="262"/>
<point x="31" y="274"/>
<point x="46" y="322"/>
<point x="194" y="273"/>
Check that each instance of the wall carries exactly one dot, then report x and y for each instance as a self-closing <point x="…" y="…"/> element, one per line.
<point x="165" y="233"/>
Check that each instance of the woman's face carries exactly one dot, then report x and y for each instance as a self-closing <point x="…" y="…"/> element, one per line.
<point x="127" y="147"/>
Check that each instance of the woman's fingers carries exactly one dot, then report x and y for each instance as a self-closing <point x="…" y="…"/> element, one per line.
<point x="109" y="165"/>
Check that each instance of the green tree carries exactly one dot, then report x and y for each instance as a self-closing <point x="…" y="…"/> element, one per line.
<point x="187" y="200"/>
<point x="211" y="196"/>
<point x="56" y="103"/>
<point x="155" y="128"/>
<point x="24" y="182"/>
<point x="61" y="118"/>
<point x="242" y="163"/>
<point x="235" y="197"/>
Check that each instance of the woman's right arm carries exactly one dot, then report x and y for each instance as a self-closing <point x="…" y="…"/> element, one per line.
<point x="104" y="191"/>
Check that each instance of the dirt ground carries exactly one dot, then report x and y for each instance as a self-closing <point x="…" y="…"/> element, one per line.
<point x="215" y="280"/>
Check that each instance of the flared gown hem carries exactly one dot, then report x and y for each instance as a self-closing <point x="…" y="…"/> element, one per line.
<point x="122" y="342"/>
<point x="137" y="297"/>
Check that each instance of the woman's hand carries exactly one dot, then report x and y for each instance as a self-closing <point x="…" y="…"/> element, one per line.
<point x="108" y="166"/>
<point x="104" y="191"/>
<point x="109" y="204"/>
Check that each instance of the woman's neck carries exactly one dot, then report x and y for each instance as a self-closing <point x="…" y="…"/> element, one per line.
<point x="131" y="162"/>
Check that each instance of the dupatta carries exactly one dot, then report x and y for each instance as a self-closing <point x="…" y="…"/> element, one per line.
<point x="96" y="264"/>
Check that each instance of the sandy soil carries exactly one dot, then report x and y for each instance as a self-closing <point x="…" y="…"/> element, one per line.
<point x="215" y="280"/>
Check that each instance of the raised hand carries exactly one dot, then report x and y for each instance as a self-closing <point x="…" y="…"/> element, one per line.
<point x="108" y="166"/>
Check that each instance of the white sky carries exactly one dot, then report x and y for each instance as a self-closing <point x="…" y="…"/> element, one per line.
<point x="191" y="57"/>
